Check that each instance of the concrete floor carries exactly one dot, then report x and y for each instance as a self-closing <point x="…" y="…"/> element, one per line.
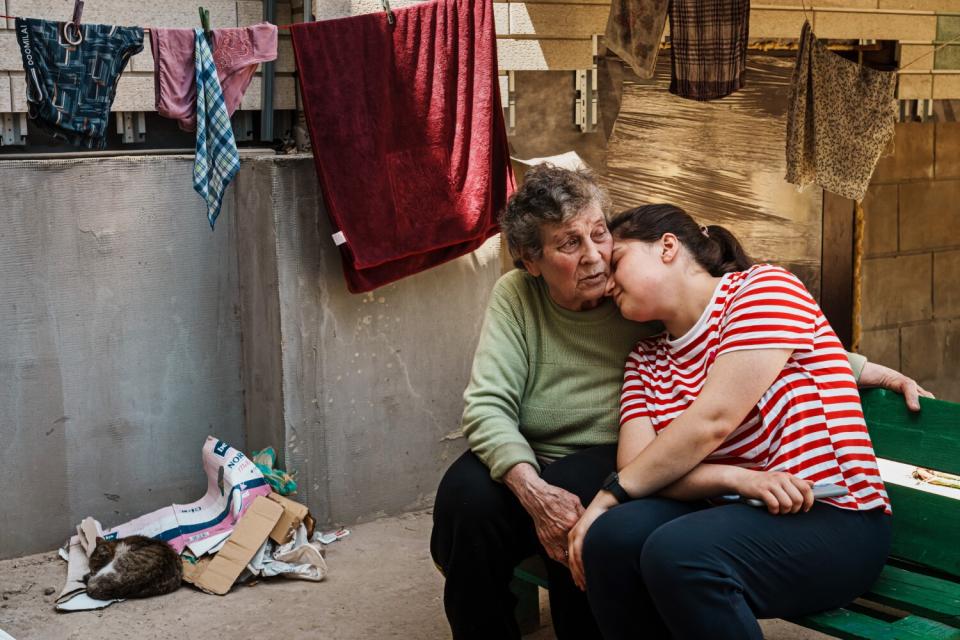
<point x="381" y="584"/>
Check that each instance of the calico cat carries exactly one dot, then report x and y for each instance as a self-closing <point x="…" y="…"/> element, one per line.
<point x="133" y="567"/>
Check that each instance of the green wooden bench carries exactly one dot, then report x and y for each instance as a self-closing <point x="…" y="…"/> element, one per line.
<point x="917" y="597"/>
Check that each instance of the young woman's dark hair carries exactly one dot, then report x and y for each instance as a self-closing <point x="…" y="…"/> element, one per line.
<point x="715" y="249"/>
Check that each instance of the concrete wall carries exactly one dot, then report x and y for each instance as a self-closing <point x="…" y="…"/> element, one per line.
<point x="119" y="342"/>
<point x="911" y="299"/>
<point x="121" y="346"/>
<point x="366" y="390"/>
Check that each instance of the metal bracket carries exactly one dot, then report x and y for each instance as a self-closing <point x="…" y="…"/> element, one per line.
<point x="132" y="126"/>
<point x="586" y="103"/>
<point x="585" y="106"/>
<point x="508" y="100"/>
<point x="14" y="129"/>
<point x="912" y="110"/>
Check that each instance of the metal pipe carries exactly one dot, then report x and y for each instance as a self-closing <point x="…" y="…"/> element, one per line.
<point x="266" y="98"/>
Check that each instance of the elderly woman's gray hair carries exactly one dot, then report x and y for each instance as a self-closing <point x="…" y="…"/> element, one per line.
<point x="549" y="195"/>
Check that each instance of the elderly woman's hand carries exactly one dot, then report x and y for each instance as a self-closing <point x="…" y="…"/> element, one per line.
<point x="877" y="375"/>
<point x="553" y="510"/>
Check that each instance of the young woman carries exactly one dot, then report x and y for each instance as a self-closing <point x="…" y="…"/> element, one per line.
<point x="747" y="392"/>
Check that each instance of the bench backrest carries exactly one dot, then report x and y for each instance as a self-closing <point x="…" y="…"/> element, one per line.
<point x="926" y="526"/>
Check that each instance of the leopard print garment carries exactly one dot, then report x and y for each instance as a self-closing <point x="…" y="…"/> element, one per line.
<point x="840" y="117"/>
<point x="634" y="31"/>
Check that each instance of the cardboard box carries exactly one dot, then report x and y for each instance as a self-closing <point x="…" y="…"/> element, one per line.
<point x="294" y="513"/>
<point x="251" y="532"/>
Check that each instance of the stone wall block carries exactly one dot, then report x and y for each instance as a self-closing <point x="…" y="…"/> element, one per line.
<point x="896" y="290"/>
<point x="882" y="346"/>
<point x="948" y="150"/>
<point x="929" y="215"/>
<point x="912" y="156"/>
<point x="880" y="216"/>
<point x="946" y="284"/>
<point x="930" y="352"/>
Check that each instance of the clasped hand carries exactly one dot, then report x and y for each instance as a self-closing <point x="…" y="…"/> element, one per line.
<point x="782" y="493"/>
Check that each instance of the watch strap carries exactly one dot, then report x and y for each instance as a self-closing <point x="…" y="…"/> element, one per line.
<point x="612" y="484"/>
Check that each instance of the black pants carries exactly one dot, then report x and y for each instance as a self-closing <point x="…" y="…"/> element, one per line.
<point x="481" y="532"/>
<point x="658" y="568"/>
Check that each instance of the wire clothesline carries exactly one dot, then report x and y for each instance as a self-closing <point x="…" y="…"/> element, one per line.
<point x="286" y="27"/>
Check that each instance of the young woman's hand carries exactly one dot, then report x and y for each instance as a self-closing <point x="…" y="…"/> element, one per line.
<point x="600" y="505"/>
<point x="780" y="492"/>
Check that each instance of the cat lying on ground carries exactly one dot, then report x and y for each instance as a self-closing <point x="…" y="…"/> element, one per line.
<point x="133" y="567"/>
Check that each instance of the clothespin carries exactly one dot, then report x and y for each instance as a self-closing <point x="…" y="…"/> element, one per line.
<point x="205" y="21"/>
<point x="391" y="19"/>
<point x="75" y="23"/>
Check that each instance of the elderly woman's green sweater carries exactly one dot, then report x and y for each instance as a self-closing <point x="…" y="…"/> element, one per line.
<point x="546" y="380"/>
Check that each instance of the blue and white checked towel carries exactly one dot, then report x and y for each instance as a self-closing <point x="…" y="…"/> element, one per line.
<point x="217" y="160"/>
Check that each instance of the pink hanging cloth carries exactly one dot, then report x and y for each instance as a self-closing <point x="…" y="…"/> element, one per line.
<point x="408" y="134"/>
<point x="236" y="51"/>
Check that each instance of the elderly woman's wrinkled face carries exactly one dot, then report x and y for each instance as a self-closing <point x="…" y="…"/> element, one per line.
<point x="576" y="260"/>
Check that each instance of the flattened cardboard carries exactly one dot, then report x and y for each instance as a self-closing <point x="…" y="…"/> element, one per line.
<point x="247" y="537"/>
<point x="193" y="570"/>
<point x="293" y="514"/>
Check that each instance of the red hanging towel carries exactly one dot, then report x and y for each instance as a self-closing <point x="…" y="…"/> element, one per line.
<point x="408" y="134"/>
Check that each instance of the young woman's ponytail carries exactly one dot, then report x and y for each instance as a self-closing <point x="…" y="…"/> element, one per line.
<point x="732" y="255"/>
<point x="715" y="249"/>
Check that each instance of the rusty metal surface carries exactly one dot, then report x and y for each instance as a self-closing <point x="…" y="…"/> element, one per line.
<point x="722" y="161"/>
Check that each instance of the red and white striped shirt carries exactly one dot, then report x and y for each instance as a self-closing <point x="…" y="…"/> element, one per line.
<point x="808" y="423"/>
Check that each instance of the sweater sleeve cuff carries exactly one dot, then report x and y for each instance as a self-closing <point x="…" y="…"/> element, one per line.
<point x="506" y="456"/>
<point x="857" y="362"/>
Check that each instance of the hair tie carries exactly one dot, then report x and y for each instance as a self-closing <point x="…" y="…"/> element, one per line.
<point x="704" y="231"/>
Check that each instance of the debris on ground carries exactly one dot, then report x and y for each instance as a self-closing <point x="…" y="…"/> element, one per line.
<point x="937" y="477"/>
<point x="281" y="481"/>
<point x="238" y="531"/>
<point x="218" y="575"/>
<point x="333" y="536"/>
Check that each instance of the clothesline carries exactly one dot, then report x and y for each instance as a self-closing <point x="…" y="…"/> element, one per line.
<point x="286" y="27"/>
<point x="283" y="27"/>
<point x="930" y="53"/>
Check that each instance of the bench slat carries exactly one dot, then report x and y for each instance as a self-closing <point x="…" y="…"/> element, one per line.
<point x="930" y="438"/>
<point x="927" y="596"/>
<point x="926" y="528"/>
<point x="532" y="570"/>
<point x="844" y="623"/>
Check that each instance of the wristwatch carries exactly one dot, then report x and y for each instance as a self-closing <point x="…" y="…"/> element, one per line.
<point x="612" y="484"/>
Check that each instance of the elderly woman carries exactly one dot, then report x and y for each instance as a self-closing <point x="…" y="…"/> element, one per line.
<point x="541" y="410"/>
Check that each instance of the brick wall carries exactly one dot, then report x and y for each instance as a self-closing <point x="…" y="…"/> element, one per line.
<point x="911" y="269"/>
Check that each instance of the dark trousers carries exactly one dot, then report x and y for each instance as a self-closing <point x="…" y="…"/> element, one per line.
<point x="658" y="568"/>
<point x="481" y="532"/>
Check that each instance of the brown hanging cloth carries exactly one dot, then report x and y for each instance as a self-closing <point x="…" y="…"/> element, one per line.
<point x="840" y="118"/>
<point x="708" y="47"/>
<point x="634" y="31"/>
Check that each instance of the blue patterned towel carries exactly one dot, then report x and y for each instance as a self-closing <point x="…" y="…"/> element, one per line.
<point x="217" y="161"/>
